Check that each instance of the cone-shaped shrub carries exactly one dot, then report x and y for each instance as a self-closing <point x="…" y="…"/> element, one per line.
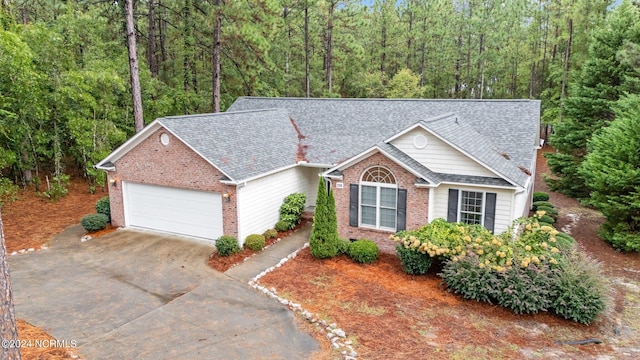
<point x="323" y="242"/>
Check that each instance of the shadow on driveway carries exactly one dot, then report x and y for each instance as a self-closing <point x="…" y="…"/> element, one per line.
<point x="137" y="295"/>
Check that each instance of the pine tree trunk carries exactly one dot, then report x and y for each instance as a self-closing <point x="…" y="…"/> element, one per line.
<point x="408" y="58"/>
<point x="306" y="50"/>
<point x="216" y="58"/>
<point x="8" y="328"/>
<point x="133" y="67"/>
<point x="329" y="64"/>
<point x="163" y="29"/>
<point x="151" y="45"/>
<point x="567" y="56"/>
<point x="186" y="60"/>
<point x="423" y="51"/>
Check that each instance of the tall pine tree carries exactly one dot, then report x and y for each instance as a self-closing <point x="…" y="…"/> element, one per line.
<point x="612" y="171"/>
<point x="602" y="81"/>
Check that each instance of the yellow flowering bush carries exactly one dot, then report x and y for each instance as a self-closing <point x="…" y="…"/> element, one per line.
<point x="440" y="239"/>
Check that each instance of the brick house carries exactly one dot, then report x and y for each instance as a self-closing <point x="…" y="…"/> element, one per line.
<point x="392" y="165"/>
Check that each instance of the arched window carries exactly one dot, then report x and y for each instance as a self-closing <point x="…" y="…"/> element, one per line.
<point x="378" y="198"/>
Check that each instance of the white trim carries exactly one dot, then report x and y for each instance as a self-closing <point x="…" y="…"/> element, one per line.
<point x="377" y="186"/>
<point x="432" y="205"/>
<point x="370" y="152"/>
<point x="129" y="144"/>
<point x="472" y="157"/>
<point x="482" y="205"/>
<point x="516" y="188"/>
<point x="426" y="186"/>
<point x="138" y="138"/>
<point x="417" y="125"/>
<point x="245" y="181"/>
<point x="347" y="163"/>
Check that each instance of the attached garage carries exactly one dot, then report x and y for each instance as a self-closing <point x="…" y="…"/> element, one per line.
<point x="179" y="211"/>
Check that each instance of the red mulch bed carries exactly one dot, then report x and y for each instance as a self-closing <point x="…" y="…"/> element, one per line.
<point x="224" y="263"/>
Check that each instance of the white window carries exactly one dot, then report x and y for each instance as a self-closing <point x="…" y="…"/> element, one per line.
<point x="471" y="207"/>
<point x="378" y="198"/>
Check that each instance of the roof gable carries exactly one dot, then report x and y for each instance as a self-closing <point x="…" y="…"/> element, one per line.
<point x="242" y="145"/>
<point x="458" y="133"/>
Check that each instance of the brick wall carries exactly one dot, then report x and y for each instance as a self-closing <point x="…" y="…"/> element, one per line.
<point x="417" y="201"/>
<point x="175" y="165"/>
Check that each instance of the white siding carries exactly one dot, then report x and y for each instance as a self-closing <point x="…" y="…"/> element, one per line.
<point x="439" y="156"/>
<point x="504" y="203"/>
<point x="522" y="201"/>
<point x="259" y="200"/>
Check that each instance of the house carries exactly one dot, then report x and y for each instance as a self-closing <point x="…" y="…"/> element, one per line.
<point x="392" y="165"/>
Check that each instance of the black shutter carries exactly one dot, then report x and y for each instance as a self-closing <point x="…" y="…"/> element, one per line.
<point x="490" y="211"/>
<point x="353" y="204"/>
<point x="452" y="211"/>
<point x="402" y="210"/>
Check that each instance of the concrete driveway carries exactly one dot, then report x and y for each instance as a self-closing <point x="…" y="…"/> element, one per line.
<point x="136" y="295"/>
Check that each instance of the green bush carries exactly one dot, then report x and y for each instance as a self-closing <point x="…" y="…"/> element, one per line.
<point x="465" y="277"/>
<point x="540" y="196"/>
<point x="57" y="188"/>
<point x="343" y="246"/>
<point x="254" y="242"/>
<point x="270" y="234"/>
<point x="323" y="242"/>
<point x="564" y="241"/>
<point x="227" y="245"/>
<point x="525" y="290"/>
<point x="103" y="207"/>
<point x="620" y="236"/>
<point x="292" y="208"/>
<point x="94" y="222"/>
<point x="413" y="262"/>
<point x="283" y="226"/>
<point x="536" y="204"/>
<point x="546" y="219"/>
<point x="363" y="251"/>
<point x="548" y="211"/>
<point x="579" y="287"/>
<point x="522" y="290"/>
<point x="8" y="191"/>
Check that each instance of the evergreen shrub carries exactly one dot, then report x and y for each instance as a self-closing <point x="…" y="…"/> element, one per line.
<point x="94" y="222"/>
<point x="103" y="207"/>
<point x="227" y="245"/>
<point x="363" y="251"/>
<point x="254" y="242"/>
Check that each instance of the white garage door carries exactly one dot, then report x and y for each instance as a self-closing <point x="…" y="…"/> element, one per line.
<point x="179" y="211"/>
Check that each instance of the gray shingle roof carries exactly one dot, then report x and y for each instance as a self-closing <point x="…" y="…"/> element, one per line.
<point x="241" y="144"/>
<point x="338" y="129"/>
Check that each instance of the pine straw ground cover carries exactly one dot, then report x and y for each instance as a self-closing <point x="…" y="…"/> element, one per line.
<point x="31" y="333"/>
<point x="391" y="315"/>
<point x="33" y="220"/>
<point x="224" y="263"/>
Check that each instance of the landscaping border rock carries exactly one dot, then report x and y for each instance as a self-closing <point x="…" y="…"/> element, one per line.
<point x="336" y="335"/>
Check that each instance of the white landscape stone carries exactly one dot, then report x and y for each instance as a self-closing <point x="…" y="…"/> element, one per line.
<point x="340" y="333"/>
